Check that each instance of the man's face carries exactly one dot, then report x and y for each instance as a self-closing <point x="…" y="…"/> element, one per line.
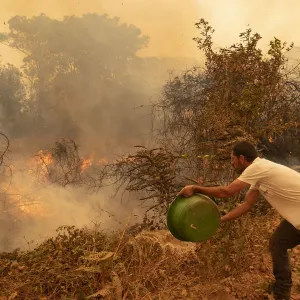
<point x="238" y="163"/>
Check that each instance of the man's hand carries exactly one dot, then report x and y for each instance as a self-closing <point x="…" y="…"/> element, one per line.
<point x="215" y="191"/>
<point x="187" y="191"/>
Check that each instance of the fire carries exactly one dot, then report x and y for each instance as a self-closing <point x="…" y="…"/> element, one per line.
<point x="46" y="157"/>
<point x="32" y="206"/>
<point x="102" y="161"/>
<point x="86" y="163"/>
<point x="21" y="185"/>
<point x="39" y="165"/>
<point x="21" y="200"/>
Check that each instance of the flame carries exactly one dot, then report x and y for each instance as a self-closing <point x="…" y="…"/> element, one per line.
<point x="20" y="189"/>
<point x="39" y="165"/>
<point x="23" y="196"/>
<point x="86" y="163"/>
<point x="46" y="157"/>
<point x="102" y="161"/>
<point x="90" y="161"/>
<point x="21" y="200"/>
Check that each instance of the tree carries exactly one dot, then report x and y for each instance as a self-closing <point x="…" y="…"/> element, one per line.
<point x="251" y="88"/>
<point x="82" y="71"/>
<point x="240" y="94"/>
<point x="12" y="98"/>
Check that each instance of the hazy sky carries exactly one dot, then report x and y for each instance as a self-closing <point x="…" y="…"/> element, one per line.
<point x="170" y="23"/>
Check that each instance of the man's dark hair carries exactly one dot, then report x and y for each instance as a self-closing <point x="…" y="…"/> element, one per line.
<point x="246" y="149"/>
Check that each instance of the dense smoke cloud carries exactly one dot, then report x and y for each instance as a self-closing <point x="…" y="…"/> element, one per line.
<point x="42" y="209"/>
<point x="81" y="79"/>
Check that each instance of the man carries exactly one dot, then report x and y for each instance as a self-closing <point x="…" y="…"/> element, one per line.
<point x="280" y="186"/>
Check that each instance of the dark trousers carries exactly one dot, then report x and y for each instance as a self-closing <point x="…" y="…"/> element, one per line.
<point x="285" y="237"/>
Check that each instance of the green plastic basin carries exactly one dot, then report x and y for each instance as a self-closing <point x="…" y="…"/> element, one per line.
<point x="193" y="219"/>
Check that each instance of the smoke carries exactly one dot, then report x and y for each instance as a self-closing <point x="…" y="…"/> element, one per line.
<point x="170" y="23"/>
<point x="31" y="212"/>
<point x="91" y="85"/>
<point x="269" y="18"/>
<point x="103" y="100"/>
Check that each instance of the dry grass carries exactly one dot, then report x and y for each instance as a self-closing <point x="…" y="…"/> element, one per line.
<point x="83" y="264"/>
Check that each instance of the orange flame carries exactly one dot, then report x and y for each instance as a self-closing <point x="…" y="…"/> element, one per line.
<point x="27" y="201"/>
<point x="86" y="163"/>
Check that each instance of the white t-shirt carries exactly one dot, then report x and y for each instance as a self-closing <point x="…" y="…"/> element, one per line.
<point x="279" y="185"/>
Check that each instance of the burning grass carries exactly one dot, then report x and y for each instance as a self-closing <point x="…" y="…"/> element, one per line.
<point x="91" y="264"/>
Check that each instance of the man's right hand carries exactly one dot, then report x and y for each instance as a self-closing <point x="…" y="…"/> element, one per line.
<point x="187" y="191"/>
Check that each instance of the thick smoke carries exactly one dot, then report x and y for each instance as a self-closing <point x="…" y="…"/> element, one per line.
<point x="31" y="212"/>
<point x="81" y="78"/>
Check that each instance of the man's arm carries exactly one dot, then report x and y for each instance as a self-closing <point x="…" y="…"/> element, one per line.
<point x="218" y="191"/>
<point x="246" y="206"/>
